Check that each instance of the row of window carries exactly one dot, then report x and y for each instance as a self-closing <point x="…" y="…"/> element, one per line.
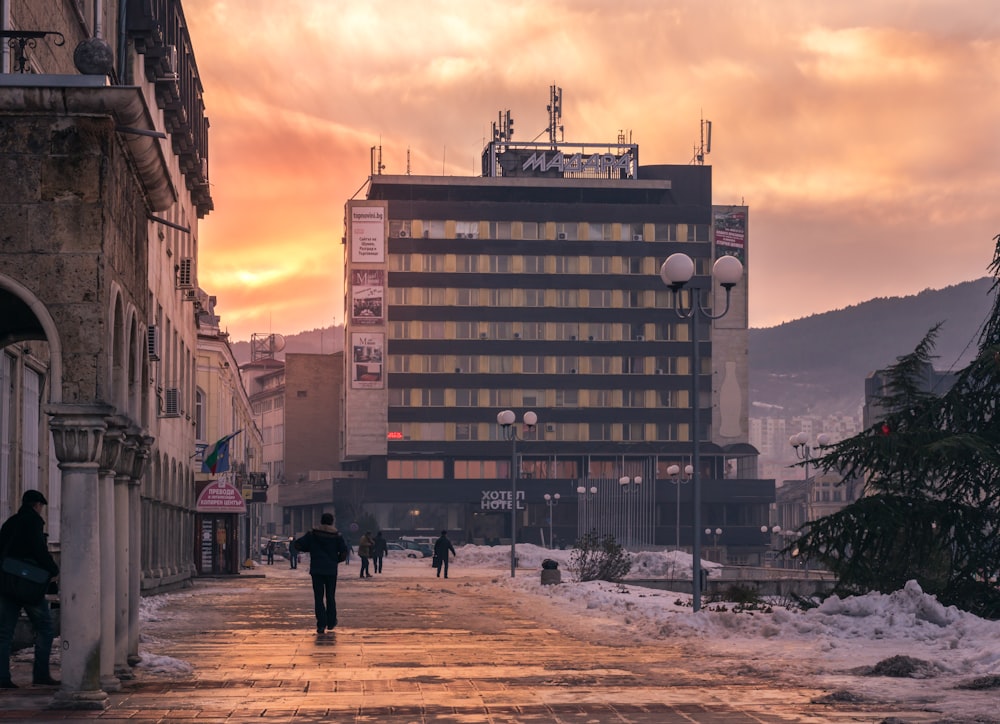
<point x="529" y="264"/>
<point x="492" y="398"/>
<point x="583" y="431"/>
<point x="549" y="331"/>
<point x="535" y="230"/>
<point x="537" y="364"/>
<point x="553" y="298"/>
<point x="537" y="469"/>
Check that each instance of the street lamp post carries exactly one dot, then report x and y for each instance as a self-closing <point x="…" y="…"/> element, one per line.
<point x="803" y="451"/>
<point x="715" y="533"/>
<point x="629" y="485"/>
<point x="584" y="504"/>
<point x="506" y="420"/>
<point x="677" y="479"/>
<point x="676" y="272"/>
<point x="551" y="501"/>
<point x="771" y="535"/>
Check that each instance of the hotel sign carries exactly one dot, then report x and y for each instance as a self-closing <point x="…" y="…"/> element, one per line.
<point x="500" y="500"/>
<point x="577" y="162"/>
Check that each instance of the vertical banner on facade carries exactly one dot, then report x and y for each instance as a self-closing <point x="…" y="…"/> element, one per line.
<point x="366" y="361"/>
<point x="367" y="234"/>
<point x="731" y="233"/>
<point x="367" y="296"/>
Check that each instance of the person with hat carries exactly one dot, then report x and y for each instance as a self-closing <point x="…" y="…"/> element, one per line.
<point x="23" y="537"/>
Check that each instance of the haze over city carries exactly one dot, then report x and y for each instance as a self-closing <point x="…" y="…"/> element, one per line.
<point x="861" y="135"/>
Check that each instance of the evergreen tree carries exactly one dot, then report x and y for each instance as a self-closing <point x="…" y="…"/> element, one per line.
<point x="931" y="466"/>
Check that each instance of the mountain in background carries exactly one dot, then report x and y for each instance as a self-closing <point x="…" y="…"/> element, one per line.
<point x="816" y="365"/>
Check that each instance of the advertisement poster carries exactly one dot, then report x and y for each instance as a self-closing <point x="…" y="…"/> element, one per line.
<point x="366" y="361"/>
<point x="367" y="296"/>
<point x="368" y="234"/>
<point x="731" y="232"/>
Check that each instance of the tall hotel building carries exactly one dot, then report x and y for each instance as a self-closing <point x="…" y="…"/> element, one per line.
<point x="536" y="287"/>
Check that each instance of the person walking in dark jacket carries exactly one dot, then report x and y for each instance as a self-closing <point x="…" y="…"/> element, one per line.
<point x="379" y="551"/>
<point x="326" y="549"/>
<point x="23" y="537"/>
<point x="441" y="547"/>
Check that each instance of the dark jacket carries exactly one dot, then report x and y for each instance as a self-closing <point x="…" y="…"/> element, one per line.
<point x="326" y="549"/>
<point x="441" y="547"/>
<point x="381" y="546"/>
<point x="24" y="532"/>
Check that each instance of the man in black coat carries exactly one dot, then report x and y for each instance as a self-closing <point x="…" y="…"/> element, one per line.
<point x="23" y="537"/>
<point x="441" y="548"/>
<point x="326" y="549"/>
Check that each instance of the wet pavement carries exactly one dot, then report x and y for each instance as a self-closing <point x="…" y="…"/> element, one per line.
<point x="413" y="649"/>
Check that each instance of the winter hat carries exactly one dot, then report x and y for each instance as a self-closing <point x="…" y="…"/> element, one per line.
<point x="31" y="497"/>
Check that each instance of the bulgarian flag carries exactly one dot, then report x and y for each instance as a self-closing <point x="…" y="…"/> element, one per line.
<point x="217" y="461"/>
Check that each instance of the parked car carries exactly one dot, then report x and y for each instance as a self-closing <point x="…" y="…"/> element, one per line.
<point x="411" y="549"/>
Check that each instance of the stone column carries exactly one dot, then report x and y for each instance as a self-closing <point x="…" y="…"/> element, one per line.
<point x="140" y="464"/>
<point x="123" y="563"/>
<point x="112" y="450"/>
<point x="78" y="432"/>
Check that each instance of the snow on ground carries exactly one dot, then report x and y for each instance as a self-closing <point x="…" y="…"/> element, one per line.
<point x="828" y="644"/>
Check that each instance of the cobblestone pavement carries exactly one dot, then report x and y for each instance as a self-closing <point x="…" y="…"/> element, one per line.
<point x="412" y="649"/>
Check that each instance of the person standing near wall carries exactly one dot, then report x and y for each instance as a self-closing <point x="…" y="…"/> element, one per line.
<point x="327" y="550"/>
<point x="379" y="551"/>
<point x="23" y="537"/>
<point x="365" y="547"/>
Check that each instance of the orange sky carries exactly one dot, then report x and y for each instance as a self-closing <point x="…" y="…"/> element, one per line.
<point x="864" y="135"/>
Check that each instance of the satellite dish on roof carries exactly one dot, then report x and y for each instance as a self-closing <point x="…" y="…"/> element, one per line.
<point x="265" y="346"/>
<point x="277" y="343"/>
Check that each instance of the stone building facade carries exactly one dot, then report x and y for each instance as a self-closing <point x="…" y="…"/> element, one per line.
<point x="104" y="168"/>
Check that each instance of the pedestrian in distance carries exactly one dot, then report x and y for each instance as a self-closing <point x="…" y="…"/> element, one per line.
<point x="293" y="553"/>
<point x="23" y="537"/>
<point x="270" y="552"/>
<point x="327" y="549"/>
<point x="441" y="548"/>
<point x="379" y="551"/>
<point x="365" y="548"/>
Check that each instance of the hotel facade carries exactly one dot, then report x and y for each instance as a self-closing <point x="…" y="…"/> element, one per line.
<point x="536" y="287"/>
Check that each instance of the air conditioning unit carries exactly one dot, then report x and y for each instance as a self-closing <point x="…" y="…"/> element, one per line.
<point x="549" y="427"/>
<point x="572" y="338"/>
<point x="640" y="338"/>
<point x="189" y="295"/>
<point x="590" y="338"/>
<point x="427" y="233"/>
<point x="403" y="233"/>
<point x="458" y="370"/>
<point x="573" y="371"/>
<point x="659" y="371"/>
<point x="483" y="335"/>
<point x="460" y="235"/>
<point x="517" y="335"/>
<point x="185" y="273"/>
<point x="561" y="235"/>
<point x="153" y="343"/>
<point x="171" y="402"/>
<point x="636" y="237"/>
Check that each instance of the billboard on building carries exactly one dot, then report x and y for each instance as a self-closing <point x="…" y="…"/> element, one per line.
<point x="366" y="361"/>
<point x="367" y="296"/>
<point x="731" y="232"/>
<point x="367" y="234"/>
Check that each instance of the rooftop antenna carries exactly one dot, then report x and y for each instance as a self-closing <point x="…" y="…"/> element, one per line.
<point x="705" y="147"/>
<point x="407" y="160"/>
<point x="377" y="165"/>
<point x="555" y="114"/>
<point x="503" y="128"/>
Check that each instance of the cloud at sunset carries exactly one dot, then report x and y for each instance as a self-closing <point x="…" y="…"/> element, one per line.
<point x="861" y="135"/>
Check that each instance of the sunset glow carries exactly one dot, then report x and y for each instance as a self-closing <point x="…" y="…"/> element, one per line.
<point x="857" y="132"/>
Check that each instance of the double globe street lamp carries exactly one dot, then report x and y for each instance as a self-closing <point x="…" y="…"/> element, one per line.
<point x="629" y="485"/>
<point x="803" y="451"/>
<point x="508" y="431"/>
<point x="677" y="272"/>
<point x="674" y="471"/>
<point x="551" y="501"/>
